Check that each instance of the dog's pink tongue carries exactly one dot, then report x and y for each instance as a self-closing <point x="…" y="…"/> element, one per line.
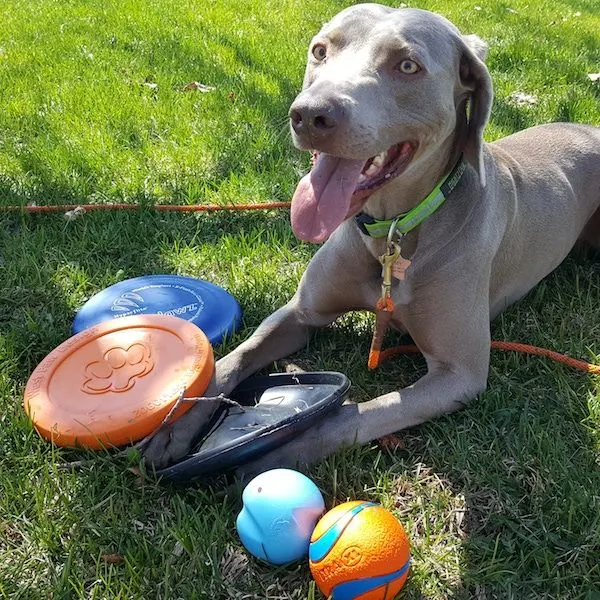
<point x="322" y="198"/>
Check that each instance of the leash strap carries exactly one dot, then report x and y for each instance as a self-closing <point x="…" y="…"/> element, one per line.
<point x="385" y="305"/>
<point x="383" y="314"/>
<point x="510" y="347"/>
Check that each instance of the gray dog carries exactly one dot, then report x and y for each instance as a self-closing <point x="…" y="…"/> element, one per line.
<point x="394" y="105"/>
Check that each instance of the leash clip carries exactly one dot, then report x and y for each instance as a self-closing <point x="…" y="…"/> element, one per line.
<point x="387" y="261"/>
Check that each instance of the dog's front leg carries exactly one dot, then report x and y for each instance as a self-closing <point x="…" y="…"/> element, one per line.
<point x="281" y="334"/>
<point x="456" y="347"/>
<point x="321" y="296"/>
<point x="439" y="392"/>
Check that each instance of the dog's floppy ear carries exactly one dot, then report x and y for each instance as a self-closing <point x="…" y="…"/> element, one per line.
<point x="476" y="81"/>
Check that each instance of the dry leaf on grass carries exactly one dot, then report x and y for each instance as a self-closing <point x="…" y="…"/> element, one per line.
<point x="71" y="215"/>
<point x="393" y="442"/>
<point x="140" y="478"/>
<point x="113" y="559"/>
<point x="522" y="99"/>
<point x="198" y="87"/>
<point x="233" y="563"/>
<point x="177" y="549"/>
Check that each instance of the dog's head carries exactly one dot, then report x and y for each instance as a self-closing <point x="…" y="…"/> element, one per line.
<point x="384" y="91"/>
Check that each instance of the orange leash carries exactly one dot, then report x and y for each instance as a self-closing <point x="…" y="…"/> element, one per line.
<point x="496" y="345"/>
<point x="555" y="356"/>
<point x="384" y="311"/>
<point x="159" y="207"/>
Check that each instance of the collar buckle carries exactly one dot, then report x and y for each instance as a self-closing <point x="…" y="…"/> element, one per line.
<point x="362" y="220"/>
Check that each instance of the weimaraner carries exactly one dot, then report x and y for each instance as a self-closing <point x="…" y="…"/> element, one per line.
<point x="391" y="100"/>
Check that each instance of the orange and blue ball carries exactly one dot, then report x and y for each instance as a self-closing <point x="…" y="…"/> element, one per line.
<point x="359" y="551"/>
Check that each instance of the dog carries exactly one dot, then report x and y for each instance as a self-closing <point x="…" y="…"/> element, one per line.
<point x="393" y="101"/>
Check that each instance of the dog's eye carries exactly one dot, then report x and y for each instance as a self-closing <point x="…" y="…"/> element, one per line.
<point x="319" y="51"/>
<point x="409" y="67"/>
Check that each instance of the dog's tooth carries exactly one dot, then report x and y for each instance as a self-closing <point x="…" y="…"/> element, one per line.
<point x="361" y="178"/>
<point x="373" y="168"/>
<point x="387" y="175"/>
<point x="379" y="160"/>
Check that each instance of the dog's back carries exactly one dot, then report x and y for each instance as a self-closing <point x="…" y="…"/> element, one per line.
<point x="548" y="182"/>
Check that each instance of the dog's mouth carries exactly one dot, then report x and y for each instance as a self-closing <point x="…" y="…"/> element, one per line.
<point x="378" y="170"/>
<point x="337" y="188"/>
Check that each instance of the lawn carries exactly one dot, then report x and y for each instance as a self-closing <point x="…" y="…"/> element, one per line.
<point x="500" y="500"/>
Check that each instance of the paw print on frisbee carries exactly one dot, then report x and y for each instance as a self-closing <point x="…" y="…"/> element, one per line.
<point x="118" y="369"/>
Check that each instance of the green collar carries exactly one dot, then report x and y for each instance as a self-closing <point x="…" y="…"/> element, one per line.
<point x="406" y="222"/>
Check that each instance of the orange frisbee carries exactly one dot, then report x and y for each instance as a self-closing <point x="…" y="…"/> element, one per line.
<point x="114" y="384"/>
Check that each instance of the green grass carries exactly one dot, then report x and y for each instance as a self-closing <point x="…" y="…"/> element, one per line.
<point x="500" y="500"/>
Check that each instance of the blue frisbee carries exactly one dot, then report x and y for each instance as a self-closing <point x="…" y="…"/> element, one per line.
<point x="208" y="306"/>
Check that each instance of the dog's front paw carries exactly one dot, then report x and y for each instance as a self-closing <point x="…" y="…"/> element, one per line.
<point x="336" y="430"/>
<point x="171" y="443"/>
<point x="164" y="449"/>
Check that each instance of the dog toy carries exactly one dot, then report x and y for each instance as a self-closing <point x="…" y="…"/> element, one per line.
<point x="359" y="550"/>
<point x="200" y="302"/>
<point x="280" y="510"/>
<point x="115" y="383"/>
<point x="260" y="414"/>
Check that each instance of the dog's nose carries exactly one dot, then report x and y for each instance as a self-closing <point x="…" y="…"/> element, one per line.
<point x="316" y="120"/>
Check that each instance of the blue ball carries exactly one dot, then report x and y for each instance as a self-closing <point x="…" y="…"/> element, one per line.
<point x="280" y="510"/>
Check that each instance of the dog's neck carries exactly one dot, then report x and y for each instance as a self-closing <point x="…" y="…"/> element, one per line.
<point x="406" y="192"/>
